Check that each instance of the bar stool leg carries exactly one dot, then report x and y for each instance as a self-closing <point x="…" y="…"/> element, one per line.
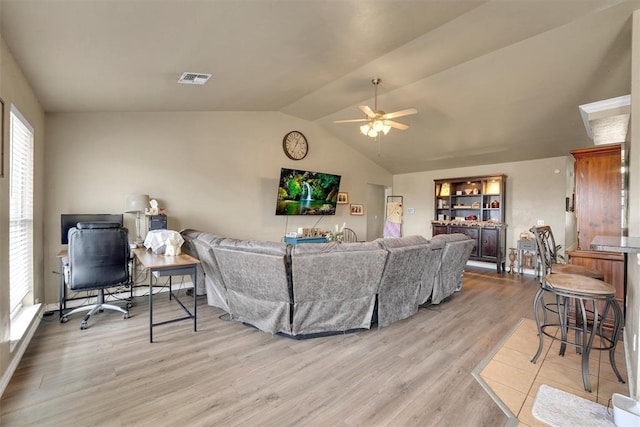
<point x="580" y="323"/>
<point x="536" y="304"/>
<point x="617" y="327"/>
<point x="563" y="316"/>
<point x="587" y="343"/>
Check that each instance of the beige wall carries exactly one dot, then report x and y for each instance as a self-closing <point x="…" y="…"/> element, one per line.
<point x="14" y="89"/>
<point x="632" y="321"/>
<point x="534" y="190"/>
<point x="211" y="171"/>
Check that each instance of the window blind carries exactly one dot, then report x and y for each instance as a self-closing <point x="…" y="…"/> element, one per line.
<point x="20" y="209"/>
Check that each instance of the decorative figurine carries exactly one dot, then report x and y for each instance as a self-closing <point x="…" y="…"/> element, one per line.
<point x="512" y="258"/>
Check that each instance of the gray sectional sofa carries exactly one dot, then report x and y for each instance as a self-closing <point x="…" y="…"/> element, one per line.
<point x="322" y="288"/>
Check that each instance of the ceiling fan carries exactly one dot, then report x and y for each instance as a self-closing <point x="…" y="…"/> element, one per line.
<point x="377" y="120"/>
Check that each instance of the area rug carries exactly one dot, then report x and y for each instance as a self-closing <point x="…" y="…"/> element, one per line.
<point x="561" y="409"/>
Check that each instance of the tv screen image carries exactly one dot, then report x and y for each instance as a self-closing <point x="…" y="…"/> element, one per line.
<point x="307" y="193"/>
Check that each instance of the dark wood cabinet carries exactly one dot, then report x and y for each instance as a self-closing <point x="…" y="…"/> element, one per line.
<point x="474" y="206"/>
<point x="599" y="210"/>
<point x="489" y="245"/>
<point x="473" y="232"/>
<point x="439" y="229"/>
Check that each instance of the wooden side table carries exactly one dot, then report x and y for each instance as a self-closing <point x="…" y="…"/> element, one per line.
<point x="160" y="265"/>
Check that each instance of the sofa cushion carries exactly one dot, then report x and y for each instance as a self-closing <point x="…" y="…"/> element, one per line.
<point x="401" y="242"/>
<point x="403" y="277"/>
<point x="216" y="289"/>
<point x="256" y="278"/>
<point x="455" y="255"/>
<point x="335" y="285"/>
<point x="210" y="238"/>
<point x="200" y="244"/>
<point x="431" y="270"/>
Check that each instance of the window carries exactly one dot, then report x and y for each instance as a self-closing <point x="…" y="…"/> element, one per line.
<point x="20" y="209"/>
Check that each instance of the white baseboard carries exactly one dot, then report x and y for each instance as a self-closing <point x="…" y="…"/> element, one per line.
<point x="492" y="266"/>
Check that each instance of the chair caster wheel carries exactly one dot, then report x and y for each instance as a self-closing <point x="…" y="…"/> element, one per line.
<point x="125" y="316"/>
<point x="64" y="319"/>
<point x="129" y="304"/>
<point x="83" y="325"/>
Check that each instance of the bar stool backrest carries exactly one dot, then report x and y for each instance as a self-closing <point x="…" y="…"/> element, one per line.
<point x="546" y="247"/>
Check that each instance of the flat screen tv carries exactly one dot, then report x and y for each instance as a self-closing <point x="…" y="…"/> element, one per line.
<point x="307" y="193"/>
<point x="68" y="221"/>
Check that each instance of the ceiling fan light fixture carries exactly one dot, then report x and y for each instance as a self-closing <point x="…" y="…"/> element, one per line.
<point x="377" y="121"/>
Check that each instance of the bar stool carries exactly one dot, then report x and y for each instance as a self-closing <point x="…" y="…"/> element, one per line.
<point x="548" y="254"/>
<point x="588" y="294"/>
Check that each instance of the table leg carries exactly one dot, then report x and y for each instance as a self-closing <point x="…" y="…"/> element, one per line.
<point x="195" y="298"/>
<point x="61" y="290"/>
<point x="151" y="306"/>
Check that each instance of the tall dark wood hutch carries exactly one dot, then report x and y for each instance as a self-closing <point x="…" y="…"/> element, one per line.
<point x="474" y="206"/>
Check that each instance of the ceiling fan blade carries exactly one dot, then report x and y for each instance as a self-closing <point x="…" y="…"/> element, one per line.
<point x="351" y="121"/>
<point x="368" y="111"/>
<point x="396" y="125"/>
<point x="400" y="113"/>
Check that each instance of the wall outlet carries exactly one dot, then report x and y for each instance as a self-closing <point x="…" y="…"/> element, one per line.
<point x="410" y="210"/>
<point x="540" y="222"/>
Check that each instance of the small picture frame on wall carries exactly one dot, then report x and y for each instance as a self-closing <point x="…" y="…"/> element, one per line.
<point x="356" y="209"/>
<point x="343" y="198"/>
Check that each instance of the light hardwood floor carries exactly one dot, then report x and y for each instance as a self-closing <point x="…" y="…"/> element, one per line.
<point x="414" y="372"/>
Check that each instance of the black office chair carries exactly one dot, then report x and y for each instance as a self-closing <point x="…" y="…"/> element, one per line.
<point x="349" y="236"/>
<point x="98" y="258"/>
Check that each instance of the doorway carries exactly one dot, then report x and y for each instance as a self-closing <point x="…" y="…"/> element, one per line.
<point x="375" y="202"/>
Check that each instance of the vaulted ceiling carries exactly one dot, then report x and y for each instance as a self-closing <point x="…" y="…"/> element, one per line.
<point x="493" y="81"/>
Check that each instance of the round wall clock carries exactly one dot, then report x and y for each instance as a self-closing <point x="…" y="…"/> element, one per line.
<point x="295" y="145"/>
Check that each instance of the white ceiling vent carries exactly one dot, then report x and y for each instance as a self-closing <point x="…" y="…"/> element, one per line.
<point x="194" y="78"/>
